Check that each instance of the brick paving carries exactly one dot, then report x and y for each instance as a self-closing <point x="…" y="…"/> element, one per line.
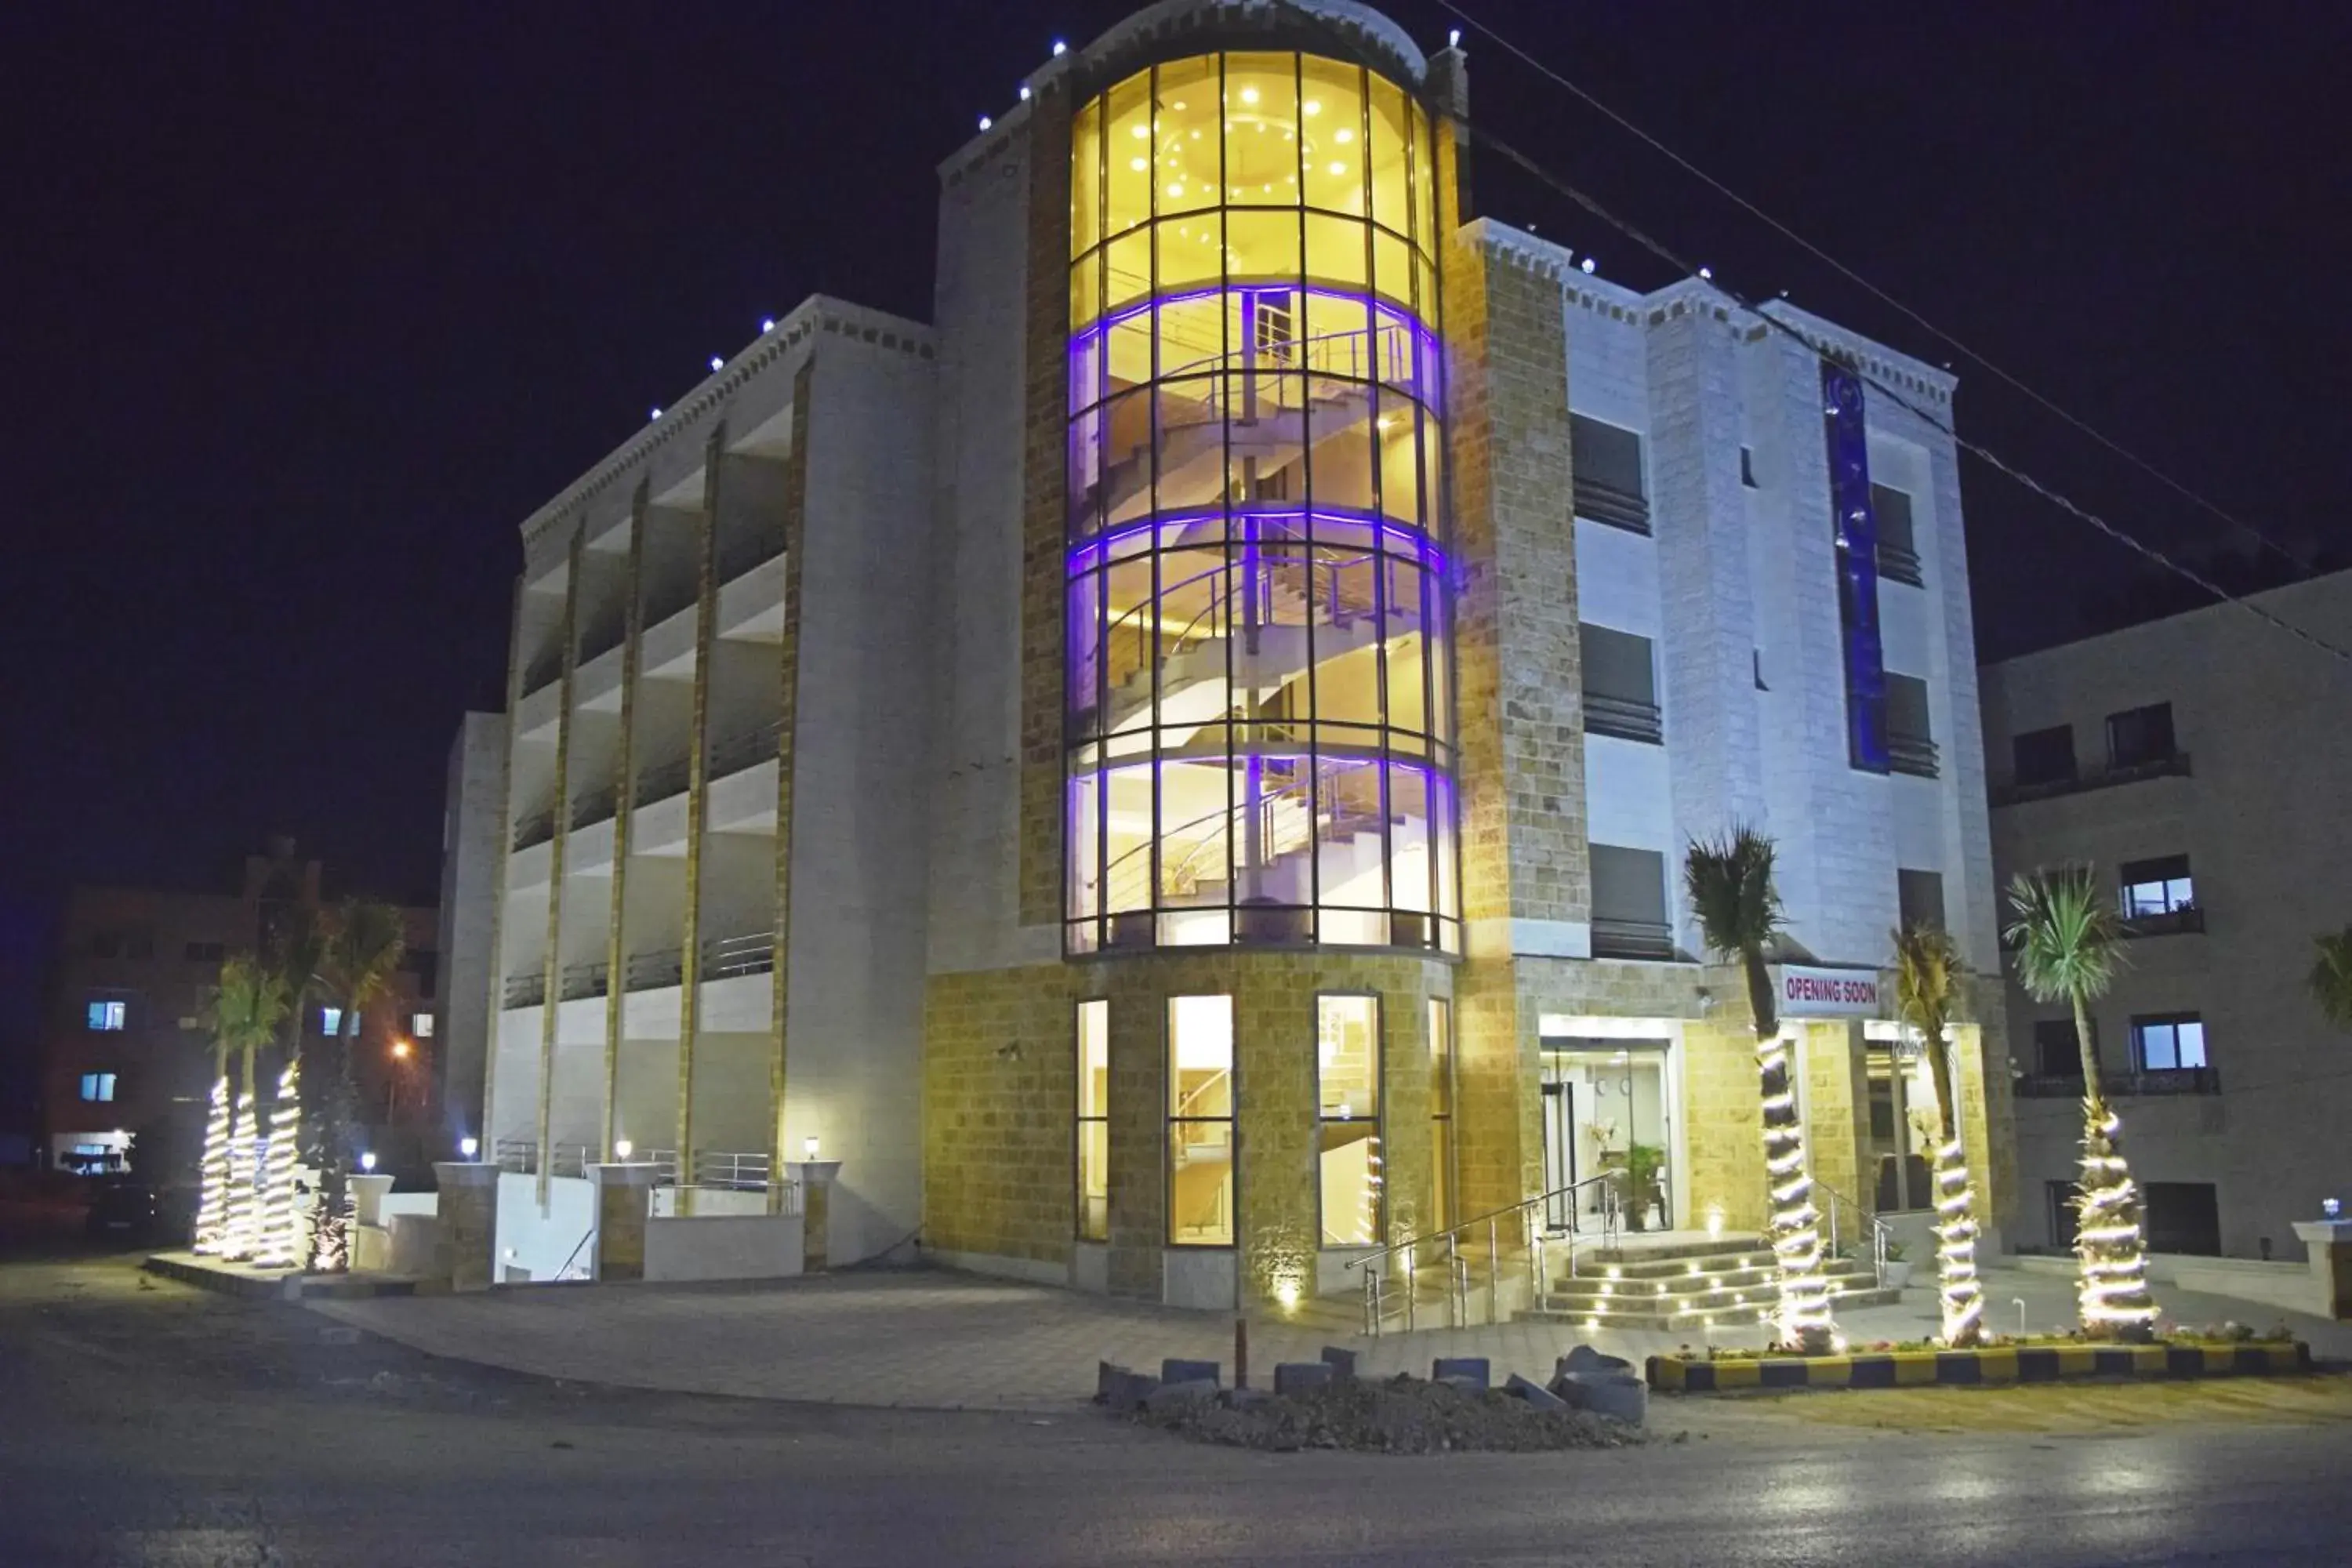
<point x="940" y="1339"/>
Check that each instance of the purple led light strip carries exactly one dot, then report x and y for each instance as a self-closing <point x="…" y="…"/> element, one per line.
<point x="1418" y="545"/>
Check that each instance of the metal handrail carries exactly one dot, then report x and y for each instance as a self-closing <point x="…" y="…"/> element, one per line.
<point x="751" y="952"/>
<point x="565" y="1272"/>
<point x="1458" y="1266"/>
<point x="1881" y="1232"/>
<point x="741" y="1172"/>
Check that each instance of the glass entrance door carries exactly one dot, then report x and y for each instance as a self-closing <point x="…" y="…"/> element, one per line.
<point x="1605" y="1108"/>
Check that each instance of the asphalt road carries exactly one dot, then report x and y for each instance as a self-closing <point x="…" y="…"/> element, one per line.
<point x="152" y="1425"/>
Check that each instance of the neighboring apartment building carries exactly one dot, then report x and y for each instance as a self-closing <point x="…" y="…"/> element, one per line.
<point x="2198" y="763"/>
<point x="128" y="1041"/>
<point x="1176" y="772"/>
<point x="473" y="830"/>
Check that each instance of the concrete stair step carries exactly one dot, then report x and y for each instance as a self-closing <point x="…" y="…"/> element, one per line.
<point x="1696" y="1316"/>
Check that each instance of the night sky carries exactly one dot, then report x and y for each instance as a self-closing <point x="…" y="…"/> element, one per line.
<point x="310" y="305"/>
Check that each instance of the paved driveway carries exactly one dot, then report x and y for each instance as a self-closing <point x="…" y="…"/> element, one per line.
<point x="934" y="1339"/>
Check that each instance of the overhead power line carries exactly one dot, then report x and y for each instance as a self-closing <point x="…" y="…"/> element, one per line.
<point x="1873" y="289"/>
<point x="1974" y="449"/>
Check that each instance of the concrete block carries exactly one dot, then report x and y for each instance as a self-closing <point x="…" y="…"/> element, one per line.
<point x="1461" y="1383"/>
<point x="1446" y="1368"/>
<point x="1616" y="1395"/>
<point x="1108" y="1375"/>
<point x="1584" y="1357"/>
<point x="1175" y="1369"/>
<point x="1342" y="1363"/>
<point x="1298" y="1377"/>
<point x="1535" y="1393"/>
<point x="1127" y="1390"/>
<point x="1172" y="1395"/>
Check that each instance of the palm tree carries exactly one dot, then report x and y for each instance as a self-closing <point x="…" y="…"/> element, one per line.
<point x="1928" y="973"/>
<point x="1729" y="883"/>
<point x="247" y="1003"/>
<point x="2331" y="977"/>
<point x="2068" y="949"/>
<point x="363" y="950"/>
<point x="298" y="953"/>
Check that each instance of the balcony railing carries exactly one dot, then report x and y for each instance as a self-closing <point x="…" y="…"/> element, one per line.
<point x="753" y="953"/>
<point x="1623" y="716"/>
<point x="583" y="980"/>
<point x="744" y="749"/>
<point x="1632" y="939"/>
<point x="1912" y="754"/>
<point x="2175" y="765"/>
<point x="526" y="990"/>
<point x="591" y="808"/>
<point x="651" y="971"/>
<point x="1900" y="563"/>
<point x="536" y="828"/>
<point x="2122" y="1085"/>
<point x="1602" y="502"/>
<point x="2165" y="922"/>
<point x="661" y="781"/>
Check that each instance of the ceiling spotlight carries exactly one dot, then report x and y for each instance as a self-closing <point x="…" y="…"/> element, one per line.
<point x="985" y="123"/>
<point x="1588" y="264"/>
<point x="1060" y="47"/>
<point x="718" y="363"/>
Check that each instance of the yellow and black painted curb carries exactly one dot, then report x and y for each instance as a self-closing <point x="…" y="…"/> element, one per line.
<point x="2006" y="1363"/>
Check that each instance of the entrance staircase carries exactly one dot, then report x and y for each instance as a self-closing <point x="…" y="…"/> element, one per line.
<point x="1672" y="1285"/>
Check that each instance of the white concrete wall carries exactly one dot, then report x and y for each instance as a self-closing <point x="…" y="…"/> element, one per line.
<point x="2262" y="820"/>
<point x="723" y="1246"/>
<point x="544" y="1240"/>
<point x="472" y="821"/>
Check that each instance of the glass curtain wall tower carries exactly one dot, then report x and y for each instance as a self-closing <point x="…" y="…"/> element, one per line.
<point x="1259" y="730"/>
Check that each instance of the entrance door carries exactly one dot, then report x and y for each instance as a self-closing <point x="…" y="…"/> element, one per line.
<point x="1605" y="1108"/>
<point x="1558" y="1147"/>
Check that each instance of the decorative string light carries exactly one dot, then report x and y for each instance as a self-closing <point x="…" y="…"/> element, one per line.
<point x="237" y="1237"/>
<point x="212" y="1208"/>
<point x="2112" y="1295"/>
<point x="1804" y="1319"/>
<point x="276" y="1244"/>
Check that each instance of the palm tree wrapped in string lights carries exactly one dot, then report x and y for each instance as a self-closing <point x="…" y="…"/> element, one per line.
<point x="2068" y="943"/>
<point x="1729" y="883"/>
<point x="1928" y="973"/>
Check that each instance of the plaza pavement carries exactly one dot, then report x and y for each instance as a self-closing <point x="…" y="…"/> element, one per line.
<point x="934" y="1339"/>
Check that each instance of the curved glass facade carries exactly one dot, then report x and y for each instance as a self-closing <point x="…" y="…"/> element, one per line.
<point x="1259" y="684"/>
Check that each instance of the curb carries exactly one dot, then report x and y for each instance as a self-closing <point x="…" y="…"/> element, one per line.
<point x="2026" y="1364"/>
<point x="229" y="1280"/>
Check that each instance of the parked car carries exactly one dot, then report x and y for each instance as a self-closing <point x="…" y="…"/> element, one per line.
<point x="122" y="1210"/>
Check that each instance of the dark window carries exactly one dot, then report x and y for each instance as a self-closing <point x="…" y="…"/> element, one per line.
<point x="1606" y="463"/>
<point x="2061" y="1214"/>
<point x="1910" y="742"/>
<point x="1629" y="903"/>
<point x="1898" y="549"/>
<point x="1620" y="689"/>
<point x="2138" y="736"/>
<point x="2044" y="756"/>
<point x="2184" y="1217"/>
<point x="106" y="944"/>
<point x="206" y="951"/>
<point x="2055" y="1053"/>
<point x="2158" y="887"/>
<point x="139" y="944"/>
<point x="1922" y="897"/>
<point x="2166" y="1041"/>
<point x="1748" y="467"/>
<point x="423" y="964"/>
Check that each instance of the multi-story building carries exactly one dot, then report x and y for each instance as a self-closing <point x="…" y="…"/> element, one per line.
<point x="1177" y="771"/>
<point x="129" y="1041"/>
<point x="2197" y="763"/>
<point x="473" y="830"/>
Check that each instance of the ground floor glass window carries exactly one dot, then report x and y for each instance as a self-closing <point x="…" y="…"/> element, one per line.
<point x="1201" y="1120"/>
<point x="1093" y="1114"/>
<point x="1347" y="1097"/>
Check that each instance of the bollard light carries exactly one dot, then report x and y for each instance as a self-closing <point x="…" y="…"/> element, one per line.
<point x="367" y="1161"/>
<point x="622" y="1148"/>
<point x="469" y="1147"/>
<point x="808" y="1147"/>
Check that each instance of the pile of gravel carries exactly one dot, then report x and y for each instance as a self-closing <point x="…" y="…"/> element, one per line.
<point x="1402" y="1415"/>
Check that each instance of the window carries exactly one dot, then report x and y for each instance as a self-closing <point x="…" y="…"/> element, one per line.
<point x="424" y="964"/>
<point x="1920" y="896"/>
<point x="1621" y="687"/>
<point x="2055" y="1054"/>
<point x="2168" y="1041"/>
<point x="2044" y="756"/>
<point x="98" y="1087"/>
<point x="109" y="1016"/>
<point x="206" y="951"/>
<point x="330" y="1020"/>
<point x="2158" y="887"/>
<point x="1899" y="547"/>
<point x="139" y="944"/>
<point x="1201" y="1120"/>
<point x="106" y="944"/>
<point x="1093" y="1112"/>
<point x="1441" y="1184"/>
<point x="2061" y="1196"/>
<point x="1605" y="468"/>
<point x="2137" y="737"/>
<point x="420" y="1026"/>
<point x="1629" y="903"/>
<point x="1910" y="740"/>
<point x="2184" y="1217"/>
<point x="1347" y="1109"/>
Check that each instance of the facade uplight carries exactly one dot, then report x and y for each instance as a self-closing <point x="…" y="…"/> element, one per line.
<point x="716" y="362"/>
<point x="985" y="123"/>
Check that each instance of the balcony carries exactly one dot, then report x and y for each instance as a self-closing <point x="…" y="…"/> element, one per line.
<point x="2173" y="765"/>
<point x="582" y="981"/>
<point x="1912" y="754"/>
<point x="1617" y="507"/>
<point x="753" y="953"/>
<point x="661" y="781"/>
<point x="2187" y="918"/>
<point x="2122" y="1086"/>
<point x="542" y="671"/>
<point x="1632" y="939"/>
<point x="652" y="970"/>
<point x="744" y="749"/>
<point x="526" y="990"/>
<point x="1627" y="718"/>
<point x="536" y="828"/>
<point x="593" y="807"/>
<point x="602" y="639"/>
<point x="741" y="549"/>
<point x="1900" y="563"/>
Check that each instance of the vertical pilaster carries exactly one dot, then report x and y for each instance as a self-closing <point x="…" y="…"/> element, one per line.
<point x="788" y="690"/>
<point x="624" y="790"/>
<point x="1044" y="512"/>
<point x="552" y="999"/>
<point x="1837" y="1110"/>
<point x="498" y="1000"/>
<point x="698" y="789"/>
